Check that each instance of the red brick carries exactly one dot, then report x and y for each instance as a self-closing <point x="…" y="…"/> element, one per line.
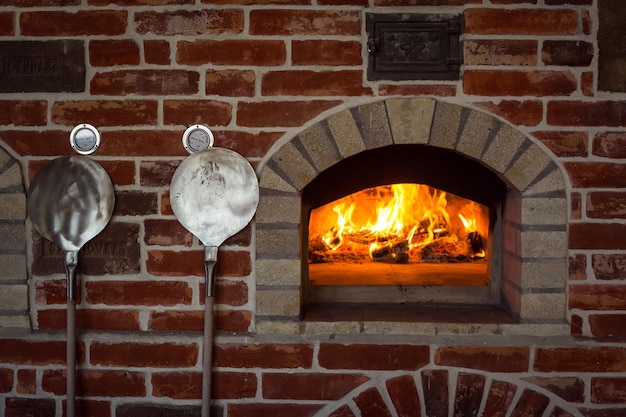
<point x="436" y="392"/>
<point x="608" y="325"/>
<point x="521" y="21"/>
<point x="518" y="83"/>
<point x="231" y="293"/>
<point x="610" y="145"/>
<point x="314" y="83"/>
<point x="164" y="232"/>
<point x="587" y="83"/>
<point x="605" y="297"/>
<point x="157" y="173"/>
<point x="371" y="404"/>
<point x="23" y="113"/>
<point x="573" y="2"/>
<point x="145" y="82"/>
<point x="563" y="143"/>
<point x="143" y="292"/>
<point x="577" y="267"/>
<point x="183" y="263"/>
<point x="51" y="292"/>
<point x="343" y="2"/>
<point x="120" y="172"/>
<point x="576" y="325"/>
<point x="37" y="143"/>
<point x="157" y="52"/>
<point x="580" y="359"/>
<point x="7" y="28"/>
<point x="322" y="387"/>
<point x="530" y="404"/>
<point x="404" y="396"/>
<point x="379" y="357"/>
<point x="609" y="266"/>
<point x="493" y="359"/>
<point x="80" y="23"/>
<point x="596" y="174"/>
<point x="232" y="321"/>
<point x="190" y="22"/>
<point x="6" y="380"/>
<point x="441" y="90"/>
<point x="267" y="52"/>
<point x="281" y="113"/>
<point x="305" y="22"/>
<point x="278" y="356"/>
<point x="144" y="355"/>
<point x="325" y="52"/>
<point x="425" y="2"/>
<point x="570" y="53"/>
<point x="272" y="410"/>
<point x="91" y="408"/>
<point x="513" y="1"/>
<point x="24" y="352"/>
<point x="500" y="52"/>
<point x="142" y="143"/>
<point x="571" y="389"/>
<point x="520" y="113"/>
<point x="597" y="236"/>
<point x="176" y="320"/>
<point x="343" y="411"/>
<point x="138" y="2"/>
<point x="469" y="394"/>
<point x="135" y="203"/>
<point x="587" y="21"/>
<point x="26" y="381"/>
<point x="603" y="412"/>
<point x="106" y="53"/>
<point x="499" y="399"/>
<point x="189" y="112"/>
<point x="230" y="83"/>
<point x="576" y="206"/>
<point x="105" y="113"/>
<point x="188" y="385"/>
<point x="250" y="145"/>
<point x="101" y="383"/>
<point x="90" y="319"/>
<point x="20" y="407"/>
<point x="606" y="205"/>
<point x="608" y="390"/>
<point x="579" y="113"/>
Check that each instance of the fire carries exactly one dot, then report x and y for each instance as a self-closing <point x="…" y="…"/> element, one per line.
<point x="398" y="223"/>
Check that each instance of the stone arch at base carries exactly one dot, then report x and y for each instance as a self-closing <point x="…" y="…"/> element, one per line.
<point x="473" y="394"/>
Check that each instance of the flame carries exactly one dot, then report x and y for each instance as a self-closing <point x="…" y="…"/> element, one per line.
<point x="392" y="221"/>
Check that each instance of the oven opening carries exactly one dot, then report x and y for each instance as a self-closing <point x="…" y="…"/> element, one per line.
<point x="399" y="234"/>
<point x="404" y="226"/>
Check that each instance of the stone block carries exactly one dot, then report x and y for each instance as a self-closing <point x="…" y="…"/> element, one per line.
<point x="13" y="267"/>
<point x="346" y="133"/>
<point x="476" y="131"/>
<point x="278" y="302"/>
<point x="446" y="123"/>
<point x="503" y="148"/>
<point x="279" y="209"/>
<point x="546" y="244"/>
<point x="374" y="125"/>
<point x="284" y="243"/>
<point x="410" y="119"/>
<point x="12" y="206"/>
<point x="14" y="297"/>
<point x="527" y="167"/>
<point x="544" y="274"/>
<point x="12" y="238"/>
<point x="277" y="272"/>
<point x="319" y="147"/>
<point x="12" y="177"/>
<point x="294" y="165"/>
<point x="544" y="211"/>
<point x="271" y="180"/>
<point x="543" y="306"/>
<point x="551" y="183"/>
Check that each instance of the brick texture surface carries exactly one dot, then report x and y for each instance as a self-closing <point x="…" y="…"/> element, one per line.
<point x="259" y="74"/>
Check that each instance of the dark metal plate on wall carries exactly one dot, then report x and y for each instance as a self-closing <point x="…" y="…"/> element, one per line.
<point x="414" y="46"/>
<point x="42" y="66"/>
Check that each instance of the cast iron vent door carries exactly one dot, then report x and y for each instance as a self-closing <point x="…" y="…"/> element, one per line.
<point x="413" y="46"/>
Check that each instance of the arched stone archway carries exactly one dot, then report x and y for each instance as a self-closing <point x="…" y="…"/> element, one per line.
<point x="534" y="258"/>
<point x="443" y="392"/>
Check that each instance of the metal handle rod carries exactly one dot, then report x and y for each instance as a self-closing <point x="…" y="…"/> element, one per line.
<point x="210" y="258"/>
<point x="71" y="260"/>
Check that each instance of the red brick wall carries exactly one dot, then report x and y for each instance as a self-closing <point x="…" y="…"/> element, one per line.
<point x="256" y="73"/>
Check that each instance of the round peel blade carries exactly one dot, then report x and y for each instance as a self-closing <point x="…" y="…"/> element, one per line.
<point x="214" y="194"/>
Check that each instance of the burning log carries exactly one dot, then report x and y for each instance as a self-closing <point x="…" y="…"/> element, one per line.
<point x="394" y="252"/>
<point x="476" y="248"/>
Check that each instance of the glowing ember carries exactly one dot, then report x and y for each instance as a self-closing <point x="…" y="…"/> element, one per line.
<point x="400" y="223"/>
